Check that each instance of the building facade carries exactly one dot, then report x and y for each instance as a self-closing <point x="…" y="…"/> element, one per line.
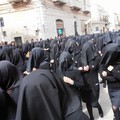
<point x="99" y="19"/>
<point x="27" y="19"/>
<point x="115" y="26"/>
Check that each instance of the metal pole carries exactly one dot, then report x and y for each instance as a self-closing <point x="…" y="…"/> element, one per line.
<point x="2" y="36"/>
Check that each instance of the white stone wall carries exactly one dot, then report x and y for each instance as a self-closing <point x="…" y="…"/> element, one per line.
<point x="100" y="26"/>
<point x="38" y="15"/>
<point x="67" y="15"/>
<point x="19" y="24"/>
<point x="97" y="14"/>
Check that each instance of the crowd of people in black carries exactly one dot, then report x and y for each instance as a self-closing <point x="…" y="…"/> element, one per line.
<point x="50" y="79"/>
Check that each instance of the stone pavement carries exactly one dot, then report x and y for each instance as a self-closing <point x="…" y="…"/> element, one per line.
<point x="106" y="105"/>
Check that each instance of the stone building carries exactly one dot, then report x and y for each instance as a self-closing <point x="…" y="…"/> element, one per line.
<point x="27" y="19"/>
<point x="99" y="19"/>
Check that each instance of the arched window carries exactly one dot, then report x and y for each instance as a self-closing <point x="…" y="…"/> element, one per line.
<point x="60" y="27"/>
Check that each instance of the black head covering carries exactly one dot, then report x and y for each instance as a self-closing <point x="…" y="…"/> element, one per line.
<point x="37" y="56"/>
<point x="65" y="61"/>
<point x="18" y="59"/>
<point x="54" y="41"/>
<point x="8" y="50"/>
<point x="113" y="36"/>
<point x="4" y="55"/>
<point x="71" y="47"/>
<point x="26" y="48"/>
<point x="37" y="44"/>
<point x="88" y="52"/>
<point x="9" y="75"/>
<point x="46" y="43"/>
<point x="111" y="55"/>
<point x="107" y="38"/>
<point x="117" y="40"/>
<point x="84" y="39"/>
<point x="99" y="41"/>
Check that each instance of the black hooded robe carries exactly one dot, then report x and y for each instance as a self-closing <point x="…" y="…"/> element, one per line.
<point x="91" y="58"/>
<point x="72" y="108"/>
<point x="39" y="98"/>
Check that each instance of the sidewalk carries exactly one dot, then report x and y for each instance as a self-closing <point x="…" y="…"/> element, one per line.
<point x="106" y="105"/>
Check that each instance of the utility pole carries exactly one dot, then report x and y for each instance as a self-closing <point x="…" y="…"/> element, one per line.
<point x="2" y="25"/>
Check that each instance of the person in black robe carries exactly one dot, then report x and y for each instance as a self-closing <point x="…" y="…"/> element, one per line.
<point x="74" y="48"/>
<point x="9" y="77"/>
<point x="110" y="72"/>
<point x="54" y="53"/>
<point x="18" y="59"/>
<point x="35" y="59"/>
<point x="99" y="42"/>
<point x="39" y="91"/>
<point x="73" y="83"/>
<point x="32" y="44"/>
<point x="90" y="59"/>
<point x="26" y="47"/>
<point x="8" y="50"/>
<point x="4" y="55"/>
<point x="62" y="45"/>
<point x="71" y="47"/>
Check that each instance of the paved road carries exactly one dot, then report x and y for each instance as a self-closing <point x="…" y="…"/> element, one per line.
<point x="106" y="105"/>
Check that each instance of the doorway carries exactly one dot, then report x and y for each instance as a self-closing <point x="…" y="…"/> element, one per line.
<point x="60" y="27"/>
<point x="18" y="40"/>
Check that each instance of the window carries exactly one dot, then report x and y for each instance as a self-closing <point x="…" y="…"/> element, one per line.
<point x="97" y="28"/>
<point x="4" y="33"/>
<point x="60" y="27"/>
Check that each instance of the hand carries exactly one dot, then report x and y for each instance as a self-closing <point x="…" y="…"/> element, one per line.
<point x="28" y="55"/>
<point x="80" y="68"/>
<point x="104" y="73"/>
<point x="110" y="68"/>
<point x="99" y="52"/>
<point x="52" y="61"/>
<point x="46" y="49"/>
<point x="27" y="73"/>
<point x="86" y="68"/>
<point x="68" y="80"/>
<point x="34" y="69"/>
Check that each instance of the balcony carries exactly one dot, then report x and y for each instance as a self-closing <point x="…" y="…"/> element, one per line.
<point x="86" y="9"/>
<point x="60" y="2"/>
<point x="76" y="5"/>
<point x="18" y="1"/>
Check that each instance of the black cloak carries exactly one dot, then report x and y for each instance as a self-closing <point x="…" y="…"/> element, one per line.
<point x="26" y="47"/>
<point x="37" y="56"/>
<point x="8" y="78"/>
<point x="8" y="50"/>
<point x="8" y="75"/>
<point x="54" y="53"/>
<point x="110" y="55"/>
<point x="91" y="58"/>
<point x="72" y="105"/>
<point x="4" y="55"/>
<point x="18" y="59"/>
<point x="40" y="93"/>
<point x="107" y="38"/>
<point x="88" y="52"/>
<point x="71" y="47"/>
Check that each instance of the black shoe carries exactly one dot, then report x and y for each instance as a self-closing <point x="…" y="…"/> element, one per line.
<point x="100" y="112"/>
<point x="101" y="115"/>
<point x="91" y="118"/>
